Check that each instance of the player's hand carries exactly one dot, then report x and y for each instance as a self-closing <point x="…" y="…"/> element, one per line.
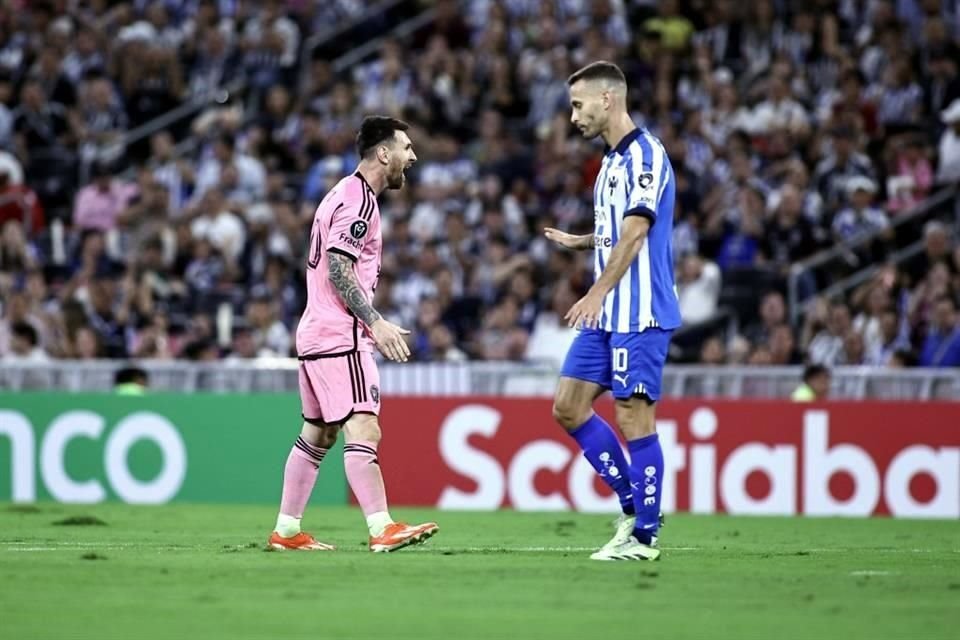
<point x="586" y="313"/>
<point x="565" y="239"/>
<point x="389" y="339"/>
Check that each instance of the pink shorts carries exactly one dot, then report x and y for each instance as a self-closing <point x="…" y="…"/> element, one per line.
<point x="333" y="389"/>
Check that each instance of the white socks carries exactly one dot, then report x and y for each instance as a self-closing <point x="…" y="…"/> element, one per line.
<point x="287" y="526"/>
<point x="377" y="522"/>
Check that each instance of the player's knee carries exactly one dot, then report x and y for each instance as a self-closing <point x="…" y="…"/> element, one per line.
<point x="362" y="426"/>
<point x="568" y="414"/>
<point x="320" y="435"/>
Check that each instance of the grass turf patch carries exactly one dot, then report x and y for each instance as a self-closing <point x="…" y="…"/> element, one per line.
<point x="200" y="571"/>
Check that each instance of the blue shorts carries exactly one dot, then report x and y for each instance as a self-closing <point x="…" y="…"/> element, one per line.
<point x="626" y="363"/>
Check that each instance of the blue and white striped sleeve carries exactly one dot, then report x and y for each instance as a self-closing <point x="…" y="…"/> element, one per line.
<point x="645" y="179"/>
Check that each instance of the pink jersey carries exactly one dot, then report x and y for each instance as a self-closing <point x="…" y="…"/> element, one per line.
<point x="346" y="222"/>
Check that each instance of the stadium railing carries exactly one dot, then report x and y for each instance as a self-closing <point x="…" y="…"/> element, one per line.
<point x="908" y="231"/>
<point x="482" y="379"/>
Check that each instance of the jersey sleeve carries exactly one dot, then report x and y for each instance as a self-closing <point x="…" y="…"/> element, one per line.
<point x="645" y="176"/>
<point x="350" y="223"/>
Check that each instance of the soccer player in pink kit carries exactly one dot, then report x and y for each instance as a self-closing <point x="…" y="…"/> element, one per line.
<point x="339" y="382"/>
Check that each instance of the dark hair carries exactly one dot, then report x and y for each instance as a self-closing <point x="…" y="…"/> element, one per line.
<point x="375" y="130"/>
<point x="227" y="140"/>
<point x="26" y="331"/>
<point x="600" y="70"/>
<point x="814" y="370"/>
<point x="907" y="357"/>
<point x="126" y="375"/>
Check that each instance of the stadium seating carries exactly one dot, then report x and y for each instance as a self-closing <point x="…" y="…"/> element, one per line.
<point x="792" y="134"/>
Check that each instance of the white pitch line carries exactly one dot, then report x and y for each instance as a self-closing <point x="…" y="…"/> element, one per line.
<point x="870" y="572"/>
<point x="430" y="548"/>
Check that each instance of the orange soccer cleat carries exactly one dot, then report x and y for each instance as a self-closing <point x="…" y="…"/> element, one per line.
<point x="300" y="542"/>
<point x="398" y="535"/>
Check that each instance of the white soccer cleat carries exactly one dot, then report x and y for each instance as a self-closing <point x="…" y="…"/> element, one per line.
<point x="625" y="525"/>
<point x="632" y="549"/>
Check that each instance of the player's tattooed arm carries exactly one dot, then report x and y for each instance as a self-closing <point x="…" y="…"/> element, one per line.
<point x="346" y="284"/>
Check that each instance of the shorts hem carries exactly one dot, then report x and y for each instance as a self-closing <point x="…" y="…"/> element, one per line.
<point x="584" y="379"/>
<point x="636" y="394"/>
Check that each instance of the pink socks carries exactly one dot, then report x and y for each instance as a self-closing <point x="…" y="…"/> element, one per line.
<point x="299" y="476"/>
<point x="363" y="474"/>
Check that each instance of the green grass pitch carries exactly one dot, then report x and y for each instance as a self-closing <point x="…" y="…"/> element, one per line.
<point x="194" y="571"/>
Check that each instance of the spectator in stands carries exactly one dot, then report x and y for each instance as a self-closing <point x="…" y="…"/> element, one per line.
<point x="780" y="111"/>
<point x="911" y="177"/>
<point x="500" y="337"/>
<point x="712" y="351"/>
<point x="101" y="123"/>
<point x="743" y="98"/>
<point x="899" y="98"/>
<point x="923" y="301"/>
<point x="551" y="336"/>
<point x="99" y="204"/>
<point x="791" y="236"/>
<point x="892" y="340"/>
<point x="699" y="289"/>
<point x="854" y="349"/>
<point x="203" y="273"/>
<point x="251" y="177"/>
<point x="24" y="346"/>
<point x="86" y="345"/>
<point x="245" y="344"/>
<point x="783" y="347"/>
<point x="773" y="313"/>
<point x="40" y="126"/>
<point x="152" y="81"/>
<point x="826" y="347"/>
<point x="442" y="346"/>
<point x="941" y="347"/>
<point x="217" y="223"/>
<point x="936" y="249"/>
<point x="108" y="310"/>
<point x="56" y="86"/>
<point x="85" y="56"/>
<point x="861" y="218"/>
<point x="675" y="30"/>
<point x="815" y="386"/>
<point x="16" y="254"/>
<point x="948" y="167"/>
<point x="843" y="163"/>
<point x="270" y="335"/>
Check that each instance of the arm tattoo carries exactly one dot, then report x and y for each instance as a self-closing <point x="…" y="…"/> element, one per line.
<point x="345" y="281"/>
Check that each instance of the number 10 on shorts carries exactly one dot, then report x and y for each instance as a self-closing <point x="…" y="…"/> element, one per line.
<point x="619" y="359"/>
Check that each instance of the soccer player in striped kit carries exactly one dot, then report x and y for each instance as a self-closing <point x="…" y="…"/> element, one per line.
<point x="628" y="315"/>
<point x="339" y="382"/>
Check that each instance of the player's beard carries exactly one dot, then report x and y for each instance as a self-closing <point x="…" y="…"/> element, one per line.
<point x="396" y="178"/>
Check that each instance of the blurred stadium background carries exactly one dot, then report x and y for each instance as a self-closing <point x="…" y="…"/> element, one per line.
<point x="160" y="163"/>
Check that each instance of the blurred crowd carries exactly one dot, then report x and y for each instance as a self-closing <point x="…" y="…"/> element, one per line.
<point x="792" y="127"/>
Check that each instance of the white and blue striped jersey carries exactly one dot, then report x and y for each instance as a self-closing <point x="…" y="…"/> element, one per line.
<point x="636" y="178"/>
